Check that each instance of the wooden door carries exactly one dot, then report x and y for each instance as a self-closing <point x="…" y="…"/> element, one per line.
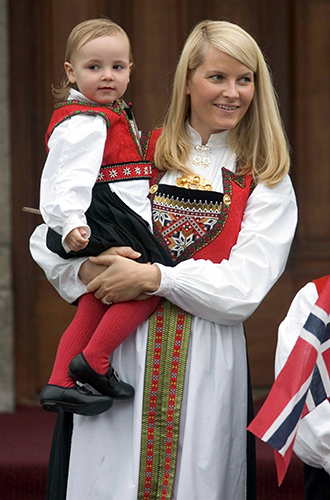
<point x="293" y="34"/>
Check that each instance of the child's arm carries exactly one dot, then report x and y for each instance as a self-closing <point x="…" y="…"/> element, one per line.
<point x="75" y="154"/>
<point x="77" y="239"/>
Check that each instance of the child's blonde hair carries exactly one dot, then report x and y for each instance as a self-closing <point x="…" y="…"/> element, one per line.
<point x="87" y="31"/>
<point x="258" y="139"/>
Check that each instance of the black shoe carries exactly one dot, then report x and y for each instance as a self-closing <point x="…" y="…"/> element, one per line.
<point x="108" y="384"/>
<point x="74" y="400"/>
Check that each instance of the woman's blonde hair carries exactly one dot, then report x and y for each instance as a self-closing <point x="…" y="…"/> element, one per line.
<point x="258" y="139"/>
<point x="79" y="36"/>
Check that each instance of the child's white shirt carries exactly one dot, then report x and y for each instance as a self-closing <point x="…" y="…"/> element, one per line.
<point x="76" y="149"/>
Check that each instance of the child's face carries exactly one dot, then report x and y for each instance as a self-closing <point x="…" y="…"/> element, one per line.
<point x="101" y="68"/>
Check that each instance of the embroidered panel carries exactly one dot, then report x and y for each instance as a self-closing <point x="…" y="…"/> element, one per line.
<point x="124" y="171"/>
<point x="182" y="221"/>
<point x="168" y="339"/>
<point x="184" y="226"/>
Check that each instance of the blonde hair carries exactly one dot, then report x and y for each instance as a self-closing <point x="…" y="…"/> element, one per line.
<point x="258" y="139"/>
<point x="86" y="32"/>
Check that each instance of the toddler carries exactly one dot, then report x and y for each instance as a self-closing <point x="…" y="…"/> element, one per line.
<point x="94" y="195"/>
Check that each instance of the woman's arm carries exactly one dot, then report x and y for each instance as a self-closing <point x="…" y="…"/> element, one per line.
<point x="69" y="276"/>
<point x="124" y="279"/>
<point x="61" y="273"/>
<point x="229" y="292"/>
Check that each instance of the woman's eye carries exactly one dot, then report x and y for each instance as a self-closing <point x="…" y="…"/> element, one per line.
<point x="246" y="79"/>
<point x="217" y="78"/>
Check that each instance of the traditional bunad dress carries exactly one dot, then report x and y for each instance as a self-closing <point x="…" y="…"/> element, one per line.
<point x="312" y="443"/>
<point x="183" y="436"/>
<point x="93" y="151"/>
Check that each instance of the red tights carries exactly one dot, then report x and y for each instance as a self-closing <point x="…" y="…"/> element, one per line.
<point x="96" y="331"/>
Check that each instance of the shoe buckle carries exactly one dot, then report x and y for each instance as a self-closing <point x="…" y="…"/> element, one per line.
<point x="115" y="374"/>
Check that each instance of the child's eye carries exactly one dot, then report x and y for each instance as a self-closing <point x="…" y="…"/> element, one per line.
<point x="94" y="67"/>
<point x="118" y="66"/>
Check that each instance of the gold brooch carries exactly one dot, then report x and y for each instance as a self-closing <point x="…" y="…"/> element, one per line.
<point x="226" y="200"/>
<point x="194" y="182"/>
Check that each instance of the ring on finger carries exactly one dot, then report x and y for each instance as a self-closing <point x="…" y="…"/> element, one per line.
<point x="106" y="302"/>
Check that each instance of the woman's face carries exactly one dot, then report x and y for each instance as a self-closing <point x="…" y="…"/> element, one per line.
<point x="221" y="90"/>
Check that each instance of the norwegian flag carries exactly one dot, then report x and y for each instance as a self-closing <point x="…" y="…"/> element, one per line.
<point x="302" y="384"/>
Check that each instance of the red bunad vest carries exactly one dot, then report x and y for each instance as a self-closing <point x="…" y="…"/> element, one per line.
<point x="217" y="243"/>
<point x="121" y="159"/>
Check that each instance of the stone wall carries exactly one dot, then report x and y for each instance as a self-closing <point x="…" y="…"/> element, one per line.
<point x="6" y="303"/>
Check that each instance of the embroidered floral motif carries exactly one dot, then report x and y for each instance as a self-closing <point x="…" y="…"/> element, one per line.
<point x="120" y="171"/>
<point x="162" y="217"/>
<point x="182" y="222"/>
<point x="181" y="243"/>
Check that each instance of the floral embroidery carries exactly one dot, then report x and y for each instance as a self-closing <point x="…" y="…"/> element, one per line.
<point x="162" y="217"/>
<point x="180" y="223"/>
<point x="181" y="243"/>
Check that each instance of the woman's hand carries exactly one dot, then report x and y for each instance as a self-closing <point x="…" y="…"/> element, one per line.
<point x="90" y="270"/>
<point x="123" y="279"/>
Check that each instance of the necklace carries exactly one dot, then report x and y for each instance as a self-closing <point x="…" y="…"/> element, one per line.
<point x="201" y="157"/>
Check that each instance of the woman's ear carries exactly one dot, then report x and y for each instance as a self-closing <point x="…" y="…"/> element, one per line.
<point x="69" y="72"/>
<point x="188" y="84"/>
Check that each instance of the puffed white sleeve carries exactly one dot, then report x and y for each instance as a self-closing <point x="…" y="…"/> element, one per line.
<point x="75" y="154"/>
<point x="229" y="292"/>
<point x="61" y="273"/>
<point x="312" y="444"/>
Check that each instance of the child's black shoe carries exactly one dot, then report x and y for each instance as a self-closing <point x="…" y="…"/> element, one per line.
<point x="108" y="384"/>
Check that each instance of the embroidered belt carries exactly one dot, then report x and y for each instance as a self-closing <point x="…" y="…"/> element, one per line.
<point x="168" y="339"/>
<point x="124" y="171"/>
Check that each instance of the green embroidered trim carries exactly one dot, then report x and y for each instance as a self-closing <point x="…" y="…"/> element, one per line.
<point x="115" y="106"/>
<point x="87" y="112"/>
<point x="144" y="140"/>
<point x="168" y="340"/>
<point x="130" y="128"/>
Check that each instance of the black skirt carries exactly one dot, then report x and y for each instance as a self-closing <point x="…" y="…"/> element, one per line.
<point x="113" y="223"/>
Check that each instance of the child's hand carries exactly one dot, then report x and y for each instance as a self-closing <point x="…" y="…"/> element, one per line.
<point x="76" y="239"/>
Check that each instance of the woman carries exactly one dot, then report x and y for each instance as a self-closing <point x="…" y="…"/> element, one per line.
<point x="184" y="434"/>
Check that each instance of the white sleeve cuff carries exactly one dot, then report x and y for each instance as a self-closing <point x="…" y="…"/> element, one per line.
<point x="167" y="280"/>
